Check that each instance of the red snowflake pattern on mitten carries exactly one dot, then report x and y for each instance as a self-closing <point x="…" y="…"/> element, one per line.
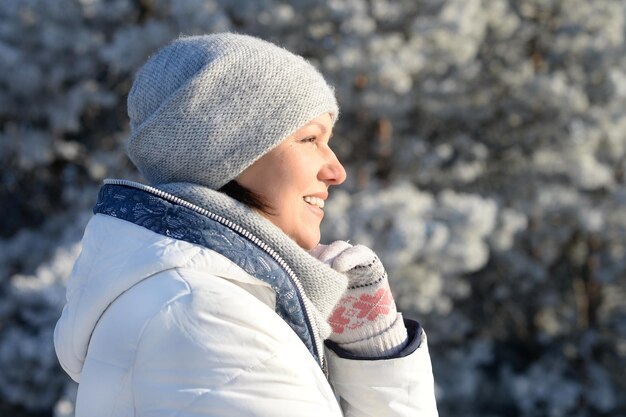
<point x="370" y="306"/>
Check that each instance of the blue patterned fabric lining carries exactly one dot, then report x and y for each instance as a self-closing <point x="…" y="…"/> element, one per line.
<point x="159" y="215"/>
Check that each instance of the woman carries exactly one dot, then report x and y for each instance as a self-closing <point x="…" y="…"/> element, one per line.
<point x="206" y="293"/>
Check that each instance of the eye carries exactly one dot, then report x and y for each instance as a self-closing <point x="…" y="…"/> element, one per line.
<point x="309" y="139"/>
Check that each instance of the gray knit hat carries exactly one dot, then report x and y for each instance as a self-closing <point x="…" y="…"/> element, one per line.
<point x="204" y="108"/>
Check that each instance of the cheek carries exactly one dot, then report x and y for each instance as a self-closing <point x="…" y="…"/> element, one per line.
<point x="294" y="178"/>
<point x="272" y="190"/>
<point x="285" y="179"/>
<point x="285" y="196"/>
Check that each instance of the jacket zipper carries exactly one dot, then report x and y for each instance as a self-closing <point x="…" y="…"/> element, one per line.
<point x="248" y="235"/>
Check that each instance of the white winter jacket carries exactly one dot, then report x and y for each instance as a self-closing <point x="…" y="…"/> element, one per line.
<point x="156" y="326"/>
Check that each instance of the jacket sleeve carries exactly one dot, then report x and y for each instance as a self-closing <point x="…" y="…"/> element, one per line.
<point x="219" y="352"/>
<point x="397" y="386"/>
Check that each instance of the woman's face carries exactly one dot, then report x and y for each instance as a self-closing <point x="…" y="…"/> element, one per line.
<point x="294" y="177"/>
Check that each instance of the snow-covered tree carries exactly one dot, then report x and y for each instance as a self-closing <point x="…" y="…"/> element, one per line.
<point x="486" y="146"/>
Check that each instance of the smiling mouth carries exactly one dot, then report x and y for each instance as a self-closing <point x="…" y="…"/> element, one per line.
<point x="315" y="201"/>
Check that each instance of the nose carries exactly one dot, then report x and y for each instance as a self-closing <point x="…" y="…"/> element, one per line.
<point x="332" y="172"/>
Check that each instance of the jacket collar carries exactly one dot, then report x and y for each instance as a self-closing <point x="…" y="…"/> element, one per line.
<point x="197" y="214"/>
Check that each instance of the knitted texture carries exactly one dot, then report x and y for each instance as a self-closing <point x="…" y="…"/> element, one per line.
<point x="365" y="320"/>
<point x="322" y="285"/>
<point x="204" y="108"/>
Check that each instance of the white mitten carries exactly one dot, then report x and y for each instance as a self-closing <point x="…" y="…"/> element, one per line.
<point x="365" y="320"/>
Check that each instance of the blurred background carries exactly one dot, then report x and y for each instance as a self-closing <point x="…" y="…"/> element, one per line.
<point x="485" y="143"/>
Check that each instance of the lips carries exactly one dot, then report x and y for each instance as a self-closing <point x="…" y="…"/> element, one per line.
<point x="314" y="201"/>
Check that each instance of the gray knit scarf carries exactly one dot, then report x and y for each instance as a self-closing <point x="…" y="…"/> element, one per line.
<point x="322" y="285"/>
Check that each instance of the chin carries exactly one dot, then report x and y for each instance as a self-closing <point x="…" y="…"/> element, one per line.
<point x="309" y="242"/>
<point x="308" y="245"/>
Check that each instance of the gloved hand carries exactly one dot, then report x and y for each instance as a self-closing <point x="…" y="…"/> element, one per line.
<point x="365" y="320"/>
